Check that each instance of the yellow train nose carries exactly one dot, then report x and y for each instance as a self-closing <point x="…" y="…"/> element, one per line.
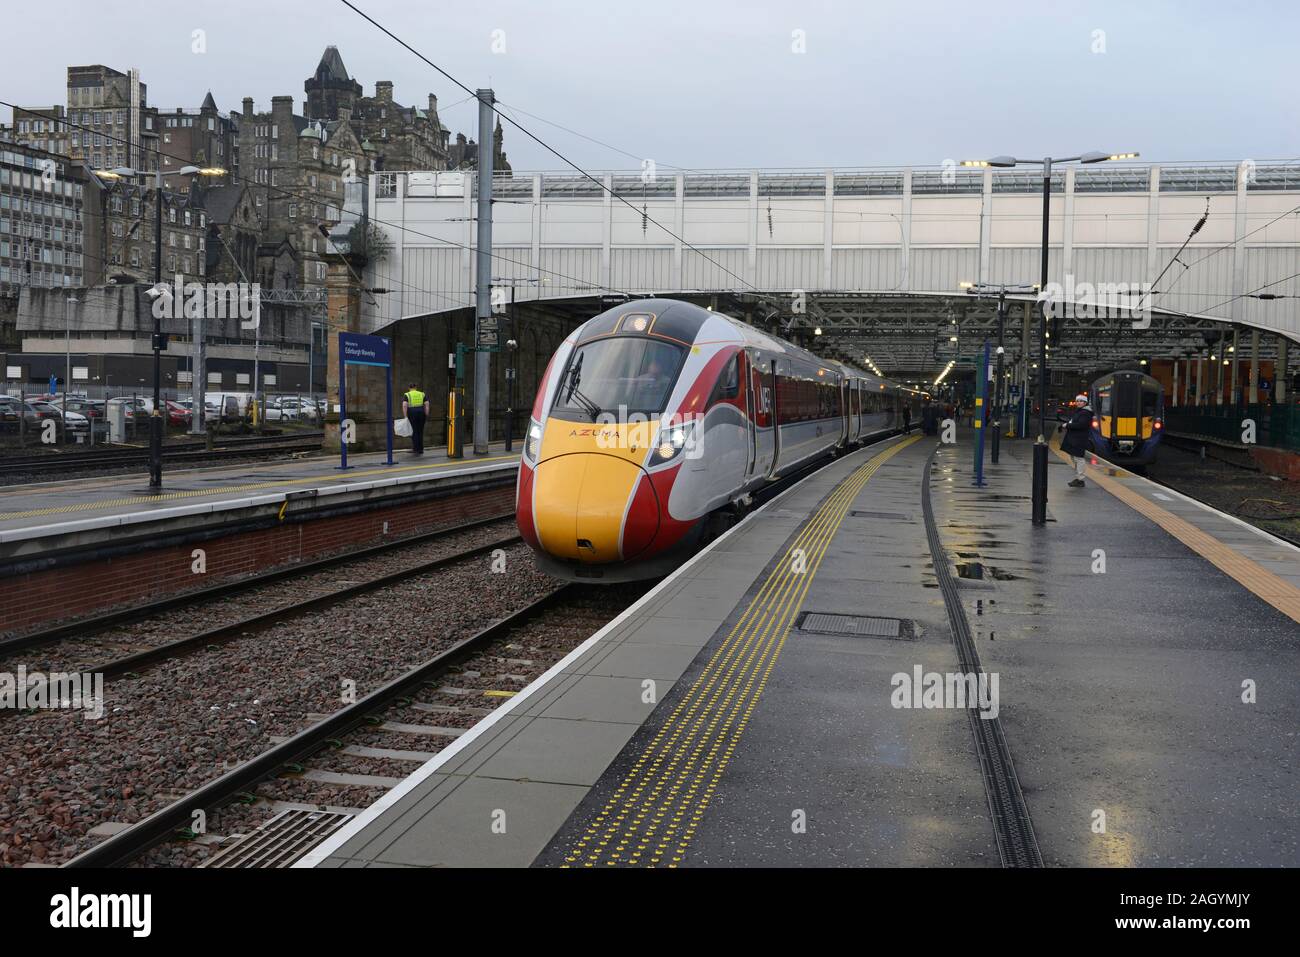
<point x="580" y="502"/>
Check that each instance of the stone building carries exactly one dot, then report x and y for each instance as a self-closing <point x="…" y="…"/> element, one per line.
<point x="403" y="137"/>
<point x="128" y="228"/>
<point x="41" y="127"/>
<point x="234" y="233"/>
<point x="200" y="137"/>
<point x="295" y="168"/>
<point x="114" y="124"/>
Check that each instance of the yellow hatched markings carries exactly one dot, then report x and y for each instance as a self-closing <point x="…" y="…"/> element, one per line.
<point x="250" y="487"/>
<point x="700" y="735"/>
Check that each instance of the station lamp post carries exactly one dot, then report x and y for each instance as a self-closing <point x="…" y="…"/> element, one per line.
<point x="1039" y="484"/>
<point x="156" y="417"/>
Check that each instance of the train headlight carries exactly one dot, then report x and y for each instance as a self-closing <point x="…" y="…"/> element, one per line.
<point x="672" y="440"/>
<point x="533" y="443"/>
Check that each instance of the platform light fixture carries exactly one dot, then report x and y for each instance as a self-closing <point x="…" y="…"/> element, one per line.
<point x="1039" y="481"/>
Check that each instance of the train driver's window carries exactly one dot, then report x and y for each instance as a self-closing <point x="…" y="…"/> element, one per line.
<point x="728" y="386"/>
<point x="1105" y="402"/>
<point x="730" y="383"/>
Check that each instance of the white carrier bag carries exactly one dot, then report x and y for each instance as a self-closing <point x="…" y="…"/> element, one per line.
<point x="402" y="427"/>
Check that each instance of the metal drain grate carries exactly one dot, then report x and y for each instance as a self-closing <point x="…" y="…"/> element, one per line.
<point x="855" y="626"/>
<point x="282" y="840"/>
<point x="895" y="516"/>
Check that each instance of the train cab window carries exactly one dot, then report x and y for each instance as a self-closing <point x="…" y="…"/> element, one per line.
<point x="1150" y="403"/>
<point x="618" y="372"/>
<point x="728" y="386"/>
<point x="1104" y="397"/>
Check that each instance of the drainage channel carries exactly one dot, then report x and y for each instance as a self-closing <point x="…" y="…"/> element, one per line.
<point x="1013" y="829"/>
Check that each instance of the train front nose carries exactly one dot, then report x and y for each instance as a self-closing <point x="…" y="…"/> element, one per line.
<point x="593" y="508"/>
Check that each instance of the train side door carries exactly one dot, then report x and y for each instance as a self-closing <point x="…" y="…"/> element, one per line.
<point x="751" y="408"/>
<point x="774" y="412"/>
<point x="845" y="412"/>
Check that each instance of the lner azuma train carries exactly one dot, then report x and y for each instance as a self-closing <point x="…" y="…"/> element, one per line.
<point x="1128" y="410"/>
<point x="657" y="420"/>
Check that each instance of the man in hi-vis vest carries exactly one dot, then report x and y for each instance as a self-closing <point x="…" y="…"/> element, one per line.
<point x="416" y="409"/>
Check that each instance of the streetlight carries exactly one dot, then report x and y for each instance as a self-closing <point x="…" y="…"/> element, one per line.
<point x="155" y="418"/>
<point x="1039" y="483"/>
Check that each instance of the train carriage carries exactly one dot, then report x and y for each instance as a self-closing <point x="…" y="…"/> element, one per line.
<point x="657" y="420"/>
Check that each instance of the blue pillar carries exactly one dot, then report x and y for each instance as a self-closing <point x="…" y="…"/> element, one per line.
<point x="981" y="418"/>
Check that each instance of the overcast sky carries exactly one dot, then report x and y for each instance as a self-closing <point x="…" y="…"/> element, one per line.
<point x="716" y="83"/>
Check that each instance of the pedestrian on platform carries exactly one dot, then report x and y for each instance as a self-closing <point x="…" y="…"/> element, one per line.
<point x="416" y="409"/>
<point x="1075" y="440"/>
<point x="929" y="418"/>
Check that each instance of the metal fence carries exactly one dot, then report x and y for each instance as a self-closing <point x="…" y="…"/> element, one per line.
<point x="1275" y="426"/>
<point x="277" y="410"/>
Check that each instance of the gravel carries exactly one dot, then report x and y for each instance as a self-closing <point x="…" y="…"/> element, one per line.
<point x="97" y="648"/>
<point x="186" y="721"/>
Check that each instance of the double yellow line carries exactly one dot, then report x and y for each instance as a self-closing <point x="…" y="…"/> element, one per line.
<point x="654" y="813"/>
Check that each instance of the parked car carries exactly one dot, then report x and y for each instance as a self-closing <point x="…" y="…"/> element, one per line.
<point x="9" y="414"/>
<point x="90" y="408"/>
<point x="282" y="408"/>
<point x="177" y="414"/>
<point x="74" y="421"/>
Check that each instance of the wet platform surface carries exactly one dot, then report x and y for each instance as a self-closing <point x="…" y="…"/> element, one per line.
<point x="28" y="511"/>
<point x="1145" y="686"/>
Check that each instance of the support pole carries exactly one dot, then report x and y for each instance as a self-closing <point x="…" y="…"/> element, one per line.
<point x="981" y="417"/>
<point x="198" y="374"/>
<point x="1039" y="486"/>
<point x="1253" y="395"/>
<point x="484" y="321"/>
<point x="1236" y="353"/>
<point x="156" y="420"/>
<point x="997" y="384"/>
<point x="1279" y="370"/>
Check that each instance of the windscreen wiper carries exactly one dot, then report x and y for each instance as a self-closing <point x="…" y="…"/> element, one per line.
<point x="588" y="406"/>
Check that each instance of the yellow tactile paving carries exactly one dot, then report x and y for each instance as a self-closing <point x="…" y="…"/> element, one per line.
<point x="1277" y="591"/>
<point x="654" y="812"/>
<point x="348" y="478"/>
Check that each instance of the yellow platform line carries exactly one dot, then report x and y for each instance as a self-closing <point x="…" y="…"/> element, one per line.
<point x="659" y="802"/>
<point x="249" y="487"/>
<point x="1274" y="589"/>
<point x="732" y="655"/>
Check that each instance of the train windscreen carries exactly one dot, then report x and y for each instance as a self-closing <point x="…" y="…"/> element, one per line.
<point x="619" y="373"/>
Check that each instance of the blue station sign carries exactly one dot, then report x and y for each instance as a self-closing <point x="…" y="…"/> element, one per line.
<point x="358" y="349"/>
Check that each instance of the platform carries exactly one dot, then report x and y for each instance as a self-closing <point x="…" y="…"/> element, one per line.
<point x="76" y="548"/>
<point x="59" y="507"/>
<point x="745" y="711"/>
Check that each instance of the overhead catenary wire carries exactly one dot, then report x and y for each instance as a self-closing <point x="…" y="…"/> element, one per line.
<point x="542" y="143"/>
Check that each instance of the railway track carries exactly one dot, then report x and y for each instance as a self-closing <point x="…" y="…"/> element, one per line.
<point x="87" y="632"/>
<point x="178" y="453"/>
<point x="179" y="713"/>
<point x="457" y="687"/>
